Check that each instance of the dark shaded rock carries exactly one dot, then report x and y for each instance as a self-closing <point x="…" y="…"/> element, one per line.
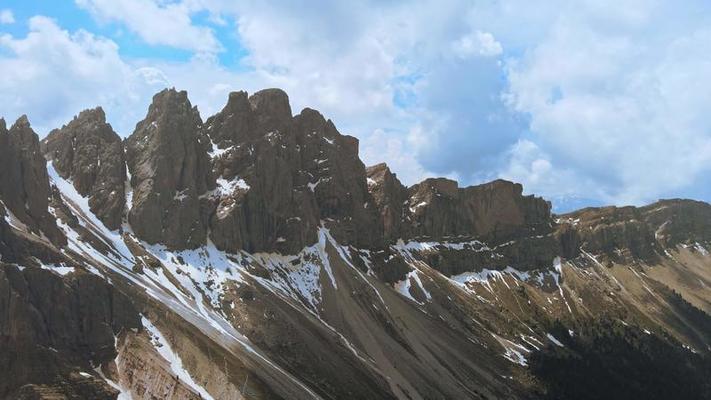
<point x="337" y="177"/>
<point x="621" y="233"/>
<point x="677" y="221"/>
<point x="90" y="153"/>
<point x="17" y="246"/>
<point x="24" y="184"/>
<point x="389" y="195"/>
<point x="615" y="231"/>
<point x="279" y="176"/>
<point x="59" y="326"/>
<point x="170" y="169"/>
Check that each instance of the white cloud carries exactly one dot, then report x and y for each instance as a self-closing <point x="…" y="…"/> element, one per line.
<point x="6" y="17"/>
<point x="52" y="74"/>
<point x="156" y="22"/>
<point x="529" y="165"/>
<point x="621" y="105"/>
<point x="477" y="43"/>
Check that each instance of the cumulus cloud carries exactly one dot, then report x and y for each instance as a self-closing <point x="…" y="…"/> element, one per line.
<point x="52" y="74"/>
<point x="620" y="104"/>
<point x="7" y="17"/>
<point x="477" y="43"/>
<point x="157" y="22"/>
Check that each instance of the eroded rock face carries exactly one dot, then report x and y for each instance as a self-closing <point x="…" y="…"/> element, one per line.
<point x="495" y="211"/>
<point x="24" y="184"/>
<point x="279" y="176"/>
<point x="678" y="221"/>
<point x="389" y="196"/>
<point x="90" y="153"/>
<point x="169" y="167"/>
<point x="437" y="208"/>
<point x="622" y="233"/>
<point x="61" y="326"/>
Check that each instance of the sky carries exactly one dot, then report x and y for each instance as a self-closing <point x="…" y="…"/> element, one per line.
<point x="586" y="102"/>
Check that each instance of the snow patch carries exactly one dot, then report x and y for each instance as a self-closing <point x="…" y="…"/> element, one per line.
<point x="554" y="340"/>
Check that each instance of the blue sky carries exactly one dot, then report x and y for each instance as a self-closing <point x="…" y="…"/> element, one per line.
<point x="584" y="102"/>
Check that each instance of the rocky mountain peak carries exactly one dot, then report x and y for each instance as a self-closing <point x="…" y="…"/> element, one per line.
<point x="24" y="183"/>
<point x="95" y="114"/>
<point x="272" y="104"/>
<point x="22" y="124"/>
<point x="170" y="168"/>
<point x="89" y="153"/>
<point x="389" y="196"/>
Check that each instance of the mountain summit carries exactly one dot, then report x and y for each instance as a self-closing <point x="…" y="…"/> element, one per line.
<point x="253" y="255"/>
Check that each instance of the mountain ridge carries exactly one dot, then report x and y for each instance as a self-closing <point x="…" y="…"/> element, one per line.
<point x="263" y="259"/>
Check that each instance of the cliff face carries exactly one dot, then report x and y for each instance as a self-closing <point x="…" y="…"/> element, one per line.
<point x="169" y="167"/>
<point x="636" y="233"/>
<point x="53" y="328"/>
<point x="89" y="153"/>
<point x="24" y="185"/>
<point x="253" y="255"/>
<point x="281" y="175"/>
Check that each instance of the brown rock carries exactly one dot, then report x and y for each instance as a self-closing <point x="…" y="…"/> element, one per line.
<point x="296" y="172"/>
<point x="90" y="153"/>
<point x="389" y="195"/>
<point x="24" y="184"/>
<point x="169" y="167"/>
<point x="59" y="326"/>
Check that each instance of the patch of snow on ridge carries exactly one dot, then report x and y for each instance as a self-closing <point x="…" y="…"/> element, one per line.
<point x="12" y="220"/>
<point x="176" y="364"/>
<point x="60" y="268"/>
<point x="203" y="271"/>
<point x="701" y="249"/>
<point x="485" y="276"/>
<point x="129" y="190"/>
<point x="225" y="187"/>
<point x="323" y="235"/>
<point x="403" y="286"/>
<point x="216" y="152"/>
<point x="80" y="207"/>
<point x="474" y="245"/>
<point x="299" y="281"/>
<point x="513" y="351"/>
<point x="554" y="340"/>
<point x="123" y="393"/>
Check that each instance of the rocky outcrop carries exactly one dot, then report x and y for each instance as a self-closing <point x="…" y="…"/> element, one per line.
<point x="389" y="197"/>
<point x="679" y="221"/>
<point x="279" y="176"/>
<point x="60" y="326"/>
<point x="170" y="170"/>
<point x="495" y="211"/>
<point x="89" y="153"/>
<point x="337" y="178"/>
<point x="437" y="208"/>
<point x="624" y="233"/>
<point x="24" y="184"/>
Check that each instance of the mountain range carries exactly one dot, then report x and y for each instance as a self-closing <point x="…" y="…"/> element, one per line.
<point x="254" y="256"/>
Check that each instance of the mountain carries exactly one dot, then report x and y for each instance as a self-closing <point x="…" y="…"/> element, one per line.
<point x="253" y="255"/>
